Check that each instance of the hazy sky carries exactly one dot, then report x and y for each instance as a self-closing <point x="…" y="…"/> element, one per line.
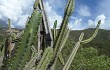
<point x="86" y="12"/>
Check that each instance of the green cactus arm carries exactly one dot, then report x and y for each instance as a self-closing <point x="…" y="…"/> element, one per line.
<point x="55" y="30"/>
<point x="13" y="36"/>
<point x="2" y="49"/>
<point x="34" y="51"/>
<point x="33" y="32"/>
<point x="68" y="7"/>
<point x="9" y="25"/>
<point x="36" y="4"/>
<point x="45" y="60"/>
<point x="59" y="55"/>
<point x="61" y="58"/>
<point x="62" y="45"/>
<point x="94" y="34"/>
<point x="55" y="24"/>
<point x="19" y="34"/>
<point x="31" y="63"/>
<point x="22" y="51"/>
<point x="77" y="45"/>
<point x="65" y="39"/>
<point x="64" y="24"/>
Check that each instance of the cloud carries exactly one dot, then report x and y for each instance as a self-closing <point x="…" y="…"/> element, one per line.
<point x="16" y="10"/>
<point x="84" y="10"/>
<point x="52" y="15"/>
<point x="57" y="3"/>
<point x="102" y="18"/>
<point x="22" y="20"/>
<point x="77" y="24"/>
<point x="19" y="10"/>
<point x="92" y="24"/>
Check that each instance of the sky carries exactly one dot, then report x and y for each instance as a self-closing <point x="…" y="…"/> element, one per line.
<point x="86" y="13"/>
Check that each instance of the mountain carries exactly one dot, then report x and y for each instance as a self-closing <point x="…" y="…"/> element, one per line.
<point x="102" y="34"/>
<point x="101" y="41"/>
<point x="3" y="24"/>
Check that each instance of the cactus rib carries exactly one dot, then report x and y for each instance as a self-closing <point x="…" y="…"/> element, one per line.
<point x="64" y="24"/>
<point x="77" y="45"/>
<point x="46" y="58"/>
<point x="23" y="51"/>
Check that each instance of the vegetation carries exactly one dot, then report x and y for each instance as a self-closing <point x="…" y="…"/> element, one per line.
<point x="87" y="58"/>
<point x="33" y="50"/>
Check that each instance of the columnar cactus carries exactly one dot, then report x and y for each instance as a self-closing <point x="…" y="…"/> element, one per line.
<point x="23" y="48"/>
<point x="30" y="53"/>
<point x="64" y="24"/>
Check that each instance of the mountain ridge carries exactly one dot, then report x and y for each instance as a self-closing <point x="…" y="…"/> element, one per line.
<point x="101" y="41"/>
<point x="3" y="24"/>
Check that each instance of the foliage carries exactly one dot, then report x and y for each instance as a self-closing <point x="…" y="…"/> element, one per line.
<point x="88" y="59"/>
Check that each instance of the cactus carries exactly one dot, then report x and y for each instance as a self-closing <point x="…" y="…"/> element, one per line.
<point x="32" y="53"/>
<point x="59" y="55"/>
<point x="94" y="34"/>
<point x="55" y="30"/>
<point x="67" y="13"/>
<point x="8" y="47"/>
<point x="22" y="50"/>
<point x="31" y="63"/>
<point x="77" y="45"/>
<point x="46" y="58"/>
<point x="69" y="61"/>
<point x="63" y="28"/>
<point x="27" y="40"/>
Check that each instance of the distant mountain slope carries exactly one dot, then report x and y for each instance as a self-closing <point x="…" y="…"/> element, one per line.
<point x="3" y="23"/>
<point x="102" y="34"/>
<point x="101" y="42"/>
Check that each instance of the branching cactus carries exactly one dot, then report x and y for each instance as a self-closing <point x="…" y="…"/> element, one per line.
<point x="23" y="48"/>
<point x="77" y="45"/>
<point x="32" y="53"/>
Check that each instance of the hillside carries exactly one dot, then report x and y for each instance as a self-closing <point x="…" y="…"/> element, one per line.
<point x="92" y="56"/>
<point x="101" y="42"/>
